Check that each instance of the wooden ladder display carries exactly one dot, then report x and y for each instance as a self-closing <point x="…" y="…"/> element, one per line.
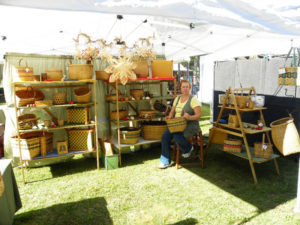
<point x="240" y="130"/>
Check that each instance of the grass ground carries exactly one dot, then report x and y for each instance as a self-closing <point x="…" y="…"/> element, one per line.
<point x="138" y="193"/>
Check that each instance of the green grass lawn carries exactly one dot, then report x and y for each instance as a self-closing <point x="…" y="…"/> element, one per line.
<point x="76" y="192"/>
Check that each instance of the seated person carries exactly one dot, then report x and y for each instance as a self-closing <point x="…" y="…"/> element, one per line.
<point x="187" y="106"/>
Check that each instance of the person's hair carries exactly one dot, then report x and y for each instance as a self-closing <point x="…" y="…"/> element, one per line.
<point x="185" y="81"/>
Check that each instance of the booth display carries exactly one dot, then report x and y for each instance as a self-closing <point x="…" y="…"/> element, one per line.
<point x="241" y="129"/>
<point x="34" y="141"/>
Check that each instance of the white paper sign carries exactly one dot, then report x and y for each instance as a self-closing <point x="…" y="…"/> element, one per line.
<point x="281" y="71"/>
<point x="298" y="77"/>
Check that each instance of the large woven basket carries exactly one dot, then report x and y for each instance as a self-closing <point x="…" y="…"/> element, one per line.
<point x="177" y="124"/>
<point x="122" y="114"/>
<point x="54" y="74"/>
<point x="81" y="71"/>
<point x="83" y="95"/>
<point x="232" y="145"/>
<point x="59" y="98"/>
<point x="285" y="136"/>
<point x="137" y="93"/>
<point x="147" y="114"/>
<point x="129" y="135"/>
<point x="154" y="130"/>
<point x="102" y="75"/>
<point x="25" y="73"/>
<point x="28" y="96"/>
<point x="1" y="185"/>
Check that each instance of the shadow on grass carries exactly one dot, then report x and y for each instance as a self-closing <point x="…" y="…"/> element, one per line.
<point x="189" y="221"/>
<point x="89" y="211"/>
<point x="233" y="175"/>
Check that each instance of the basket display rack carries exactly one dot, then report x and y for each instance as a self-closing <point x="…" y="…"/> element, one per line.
<point x="134" y="104"/>
<point x="241" y="130"/>
<point x="47" y="108"/>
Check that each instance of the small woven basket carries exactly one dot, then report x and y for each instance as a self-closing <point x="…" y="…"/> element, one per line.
<point x="232" y="145"/>
<point x="147" y="114"/>
<point x="262" y="149"/>
<point x="177" y="124"/>
<point x="137" y="93"/>
<point x="122" y="114"/>
<point x="129" y="135"/>
<point x="83" y="95"/>
<point x="59" y="98"/>
<point x="44" y="102"/>
<point x="54" y="74"/>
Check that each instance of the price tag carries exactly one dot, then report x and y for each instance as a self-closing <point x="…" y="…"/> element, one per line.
<point x="265" y="147"/>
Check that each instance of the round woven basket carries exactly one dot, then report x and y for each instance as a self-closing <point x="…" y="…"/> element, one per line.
<point x="81" y="71"/>
<point x="129" y="135"/>
<point x="285" y="136"/>
<point x="122" y="114"/>
<point x="54" y="74"/>
<point x="177" y="124"/>
<point x="83" y="95"/>
<point x="137" y="93"/>
<point x="59" y="98"/>
<point x="154" y="130"/>
<point x="102" y="75"/>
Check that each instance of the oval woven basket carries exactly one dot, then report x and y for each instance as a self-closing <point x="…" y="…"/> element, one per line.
<point x="285" y="136"/>
<point x="102" y="75"/>
<point x="129" y="135"/>
<point x="83" y="95"/>
<point x="59" y="98"/>
<point x="54" y="74"/>
<point x="154" y="130"/>
<point x="147" y="114"/>
<point x="137" y="93"/>
<point x="177" y="124"/>
<point x="122" y="114"/>
<point x="28" y="96"/>
<point x="81" y="71"/>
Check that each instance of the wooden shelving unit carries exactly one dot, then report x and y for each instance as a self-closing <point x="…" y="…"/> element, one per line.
<point x="242" y="130"/>
<point x="57" y="84"/>
<point x="140" y="81"/>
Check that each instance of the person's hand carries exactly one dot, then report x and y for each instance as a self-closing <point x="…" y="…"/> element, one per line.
<point x="186" y="115"/>
<point x="168" y="117"/>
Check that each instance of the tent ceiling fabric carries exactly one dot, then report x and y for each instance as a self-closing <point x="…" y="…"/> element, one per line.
<point x="222" y="27"/>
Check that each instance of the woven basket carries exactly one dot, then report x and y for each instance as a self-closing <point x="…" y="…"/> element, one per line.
<point x="28" y="96"/>
<point x="30" y="145"/>
<point x="265" y="152"/>
<point x="154" y="130"/>
<point x="137" y="93"/>
<point x="44" y="102"/>
<point x="141" y="69"/>
<point x="218" y="137"/>
<point x="81" y="139"/>
<point x="81" y="71"/>
<point x="102" y="75"/>
<point x="285" y="136"/>
<point x="25" y="73"/>
<point x="129" y="135"/>
<point x="233" y="121"/>
<point x="54" y="74"/>
<point x="242" y="101"/>
<point x="113" y="97"/>
<point x="78" y="115"/>
<point x="147" y="114"/>
<point x="232" y="145"/>
<point x="83" y="95"/>
<point x="162" y="69"/>
<point x="27" y="121"/>
<point x="122" y="114"/>
<point x="59" y="98"/>
<point x="177" y="124"/>
<point x="1" y="185"/>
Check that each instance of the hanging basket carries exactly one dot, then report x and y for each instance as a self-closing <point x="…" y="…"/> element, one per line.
<point x="81" y="71"/>
<point x="25" y="73"/>
<point x="285" y="136"/>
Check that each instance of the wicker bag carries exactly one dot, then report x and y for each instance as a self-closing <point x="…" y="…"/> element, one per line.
<point x="177" y="124"/>
<point x="28" y="96"/>
<point x="1" y="185"/>
<point x="262" y="149"/>
<point x="25" y="73"/>
<point x="59" y="98"/>
<point x="83" y="95"/>
<point x="129" y="135"/>
<point x="232" y="145"/>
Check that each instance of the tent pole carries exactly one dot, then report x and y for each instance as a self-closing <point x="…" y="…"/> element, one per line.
<point x="297" y="208"/>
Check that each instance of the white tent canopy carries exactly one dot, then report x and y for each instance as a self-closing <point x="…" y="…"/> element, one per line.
<point x="191" y="27"/>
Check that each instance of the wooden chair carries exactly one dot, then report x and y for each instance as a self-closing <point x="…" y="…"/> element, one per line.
<point x="197" y="142"/>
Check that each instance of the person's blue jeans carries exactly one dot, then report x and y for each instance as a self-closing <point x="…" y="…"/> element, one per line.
<point x="178" y="137"/>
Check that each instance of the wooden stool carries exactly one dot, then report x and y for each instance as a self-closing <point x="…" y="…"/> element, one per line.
<point x="197" y="142"/>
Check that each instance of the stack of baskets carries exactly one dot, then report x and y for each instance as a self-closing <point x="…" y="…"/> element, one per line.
<point x="177" y="124"/>
<point x="129" y="135"/>
<point x="83" y="95"/>
<point x="60" y="98"/>
<point x="28" y="96"/>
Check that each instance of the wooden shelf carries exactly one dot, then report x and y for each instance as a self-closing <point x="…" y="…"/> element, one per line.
<point x="243" y="154"/>
<point x="244" y="109"/>
<point x="247" y="130"/>
<point x="53" y="154"/>
<point x="145" y="100"/>
<point x="141" y="141"/>
<point x="49" y="83"/>
<point x="58" y="127"/>
<point x="58" y="106"/>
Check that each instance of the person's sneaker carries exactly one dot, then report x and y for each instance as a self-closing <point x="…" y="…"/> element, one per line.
<point x="188" y="154"/>
<point x="164" y="166"/>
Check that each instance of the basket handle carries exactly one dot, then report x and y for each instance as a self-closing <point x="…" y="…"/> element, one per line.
<point x="21" y="61"/>
<point x="263" y="142"/>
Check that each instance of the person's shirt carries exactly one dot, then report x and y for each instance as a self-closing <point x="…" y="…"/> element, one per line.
<point x="180" y="106"/>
